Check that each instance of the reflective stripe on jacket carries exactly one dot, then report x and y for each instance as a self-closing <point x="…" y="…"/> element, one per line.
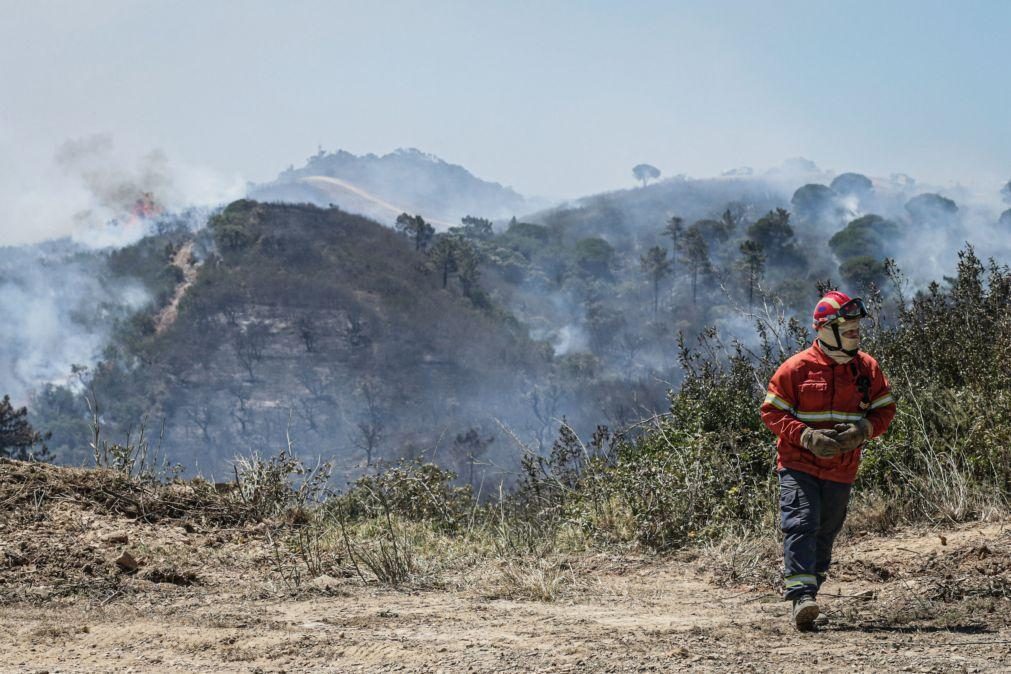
<point x="811" y="389"/>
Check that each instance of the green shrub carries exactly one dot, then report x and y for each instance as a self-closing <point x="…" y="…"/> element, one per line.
<point x="947" y="354"/>
<point x="706" y="469"/>
<point x="412" y="490"/>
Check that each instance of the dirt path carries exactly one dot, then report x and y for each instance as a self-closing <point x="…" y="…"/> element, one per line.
<point x="183" y="259"/>
<point x="618" y="614"/>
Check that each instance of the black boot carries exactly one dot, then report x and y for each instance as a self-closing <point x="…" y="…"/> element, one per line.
<point x="805" y="612"/>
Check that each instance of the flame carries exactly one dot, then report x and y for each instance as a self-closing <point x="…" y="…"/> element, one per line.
<point x="145" y="207"/>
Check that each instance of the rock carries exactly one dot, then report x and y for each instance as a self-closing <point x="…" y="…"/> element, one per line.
<point x="171" y="576"/>
<point x="127" y="562"/>
<point x="115" y="537"/>
<point x="12" y="558"/>
<point x="324" y="583"/>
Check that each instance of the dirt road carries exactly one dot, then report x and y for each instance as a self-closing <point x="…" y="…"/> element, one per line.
<point x="917" y="601"/>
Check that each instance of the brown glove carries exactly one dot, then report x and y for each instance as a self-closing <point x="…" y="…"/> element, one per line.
<point x="851" y="436"/>
<point x="821" y="442"/>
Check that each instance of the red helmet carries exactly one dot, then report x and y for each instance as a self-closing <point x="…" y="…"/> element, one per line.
<point x="837" y="306"/>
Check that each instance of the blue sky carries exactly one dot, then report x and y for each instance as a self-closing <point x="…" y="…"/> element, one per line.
<point x="557" y="99"/>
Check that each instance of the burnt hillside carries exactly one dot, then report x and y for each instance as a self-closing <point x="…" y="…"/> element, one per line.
<point x="309" y="323"/>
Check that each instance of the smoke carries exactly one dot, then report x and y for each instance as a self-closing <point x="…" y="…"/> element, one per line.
<point x="569" y="338"/>
<point x="58" y="302"/>
<point x="934" y="223"/>
<point x="605" y="336"/>
<point x="58" y="310"/>
<point x="100" y="194"/>
<point x="115" y="185"/>
<point x="924" y="228"/>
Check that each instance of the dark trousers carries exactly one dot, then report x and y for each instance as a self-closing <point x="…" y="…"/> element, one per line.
<point x="812" y="511"/>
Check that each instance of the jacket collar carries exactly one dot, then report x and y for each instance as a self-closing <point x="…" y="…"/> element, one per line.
<point x="823" y="357"/>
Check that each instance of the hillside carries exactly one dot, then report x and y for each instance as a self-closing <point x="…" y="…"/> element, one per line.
<point x="723" y="252"/>
<point x="382" y="187"/>
<point x="308" y="324"/>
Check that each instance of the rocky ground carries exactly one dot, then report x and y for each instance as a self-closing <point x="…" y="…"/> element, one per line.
<point x="196" y="593"/>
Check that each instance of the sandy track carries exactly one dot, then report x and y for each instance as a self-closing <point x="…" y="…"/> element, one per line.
<point x="183" y="259"/>
<point x="619" y="615"/>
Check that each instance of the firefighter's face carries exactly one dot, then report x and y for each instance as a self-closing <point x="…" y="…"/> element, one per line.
<point x="850" y="329"/>
<point x="848" y="334"/>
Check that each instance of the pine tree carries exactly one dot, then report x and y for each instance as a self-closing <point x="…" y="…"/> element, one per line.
<point x="753" y="262"/>
<point x="415" y="227"/>
<point x="675" y="229"/>
<point x="444" y="256"/>
<point x="656" y="266"/>
<point x="467" y="270"/>
<point x="696" y="252"/>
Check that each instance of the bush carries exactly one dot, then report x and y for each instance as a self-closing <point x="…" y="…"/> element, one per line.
<point x="279" y="484"/>
<point x="415" y="491"/>
<point x="706" y="470"/>
<point x="18" y="440"/>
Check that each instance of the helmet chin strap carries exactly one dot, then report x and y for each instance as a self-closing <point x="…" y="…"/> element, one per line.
<point x="838" y="343"/>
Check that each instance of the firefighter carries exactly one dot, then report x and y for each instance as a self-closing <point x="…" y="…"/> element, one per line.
<point x="823" y="404"/>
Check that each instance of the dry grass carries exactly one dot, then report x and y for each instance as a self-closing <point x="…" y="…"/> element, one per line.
<point x="48" y="632"/>
<point x="909" y="605"/>
<point x="532" y="579"/>
<point x="944" y="490"/>
<point x="745" y="560"/>
<point x="871" y="512"/>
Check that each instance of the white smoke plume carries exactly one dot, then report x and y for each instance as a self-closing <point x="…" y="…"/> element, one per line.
<point x="58" y="303"/>
<point x="57" y="311"/>
<point x="115" y="186"/>
<point x="127" y="191"/>
<point x="100" y="194"/>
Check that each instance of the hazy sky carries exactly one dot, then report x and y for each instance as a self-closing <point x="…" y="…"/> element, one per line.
<point x="557" y="99"/>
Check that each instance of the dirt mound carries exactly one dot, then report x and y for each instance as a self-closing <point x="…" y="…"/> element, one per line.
<point x="69" y="531"/>
<point x="27" y="485"/>
<point x="954" y="579"/>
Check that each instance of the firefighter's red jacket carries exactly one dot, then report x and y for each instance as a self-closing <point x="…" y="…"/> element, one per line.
<point x="811" y="389"/>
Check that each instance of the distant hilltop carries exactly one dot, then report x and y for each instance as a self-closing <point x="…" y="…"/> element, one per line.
<point x="382" y="187"/>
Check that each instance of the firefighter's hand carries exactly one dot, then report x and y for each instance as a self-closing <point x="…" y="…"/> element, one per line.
<point x="821" y="442"/>
<point x="851" y="436"/>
